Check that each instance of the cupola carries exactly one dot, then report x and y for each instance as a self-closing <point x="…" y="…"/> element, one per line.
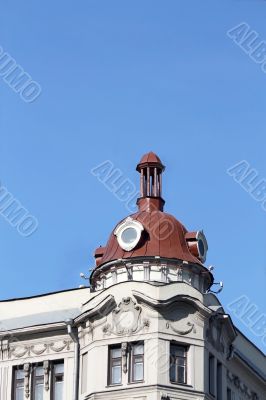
<point x="152" y="244"/>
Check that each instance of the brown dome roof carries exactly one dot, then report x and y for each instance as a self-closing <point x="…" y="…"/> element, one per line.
<point x="163" y="236"/>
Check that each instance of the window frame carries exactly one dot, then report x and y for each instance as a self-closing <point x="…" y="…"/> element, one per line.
<point x="132" y="362"/>
<point x="54" y="375"/>
<point x="33" y="379"/>
<point x="111" y="364"/>
<point x="15" y="380"/>
<point x="185" y="348"/>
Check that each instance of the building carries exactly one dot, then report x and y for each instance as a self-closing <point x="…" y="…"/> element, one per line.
<point x="149" y="327"/>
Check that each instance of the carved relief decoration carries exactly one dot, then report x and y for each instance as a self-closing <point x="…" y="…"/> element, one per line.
<point x="46" y="368"/>
<point x="27" y="380"/>
<point x="241" y="387"/>
<point x="190" y="325"/>
<point x="179" y="318"/>
<point x="19" y="351"/>
<point x="124" y="349"/>
<point x="126" y="319"/>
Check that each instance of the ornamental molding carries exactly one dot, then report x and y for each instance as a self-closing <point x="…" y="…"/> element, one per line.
<point x="20" y="351"/>
<point x="27" y="379"/>
<point x="191" y="328"/>
<point x="126" y="319"/>
<point x="97" y="309"/>
<point x="241" y="386"/>
<point x="157" y="304"/>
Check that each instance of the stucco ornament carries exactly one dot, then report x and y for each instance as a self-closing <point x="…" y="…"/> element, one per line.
<point x="124" y="348"/>
<point x="241" y="387"/>
<point x="20" y="351"/>
<point x="27" y="379"/>
<point x="190" y="328"/>
<point x="126" y="319"/>
<point x="46" y="368"/>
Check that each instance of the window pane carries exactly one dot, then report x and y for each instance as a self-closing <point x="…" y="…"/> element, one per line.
<point x="173" y="373"/>
<point x="138" y="371"/>
<point x="59" y="369"/>
<point x="211" y="374"/>
<point x="138" y="349"/>
<point x="20" y="374"/>
<point x="19" y="384"/>
<point x="116" y="353"/>
<point x="179" y="351"/>
<point x="181" y="375"/>
<point x="20" y="393"/>
<point x="116" y="374"/>
<point x="58" y="391"/>
<point x="39" y="371"/>
<point x="38" y="393"/>
<point x="58" y="381"/>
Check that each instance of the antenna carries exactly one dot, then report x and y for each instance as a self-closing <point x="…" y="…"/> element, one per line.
<point x="86" y="278"/>
<point x="221" y="284"/>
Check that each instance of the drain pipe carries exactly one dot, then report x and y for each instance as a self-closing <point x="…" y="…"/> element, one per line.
<point x="73" y="333"/>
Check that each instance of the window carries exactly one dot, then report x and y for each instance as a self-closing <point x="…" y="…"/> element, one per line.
<point x="178" y="364"/>
<point x="38" y="382"/>
<point x="115" y="365"/>
<point x="229" y="394"/>
<point x="58" y="381"/>
<point x="84" y="374"/>
<point x="33" y="381"/>
<point x="137" y="362"/>
<point x="211" y="375"/>
<point x="19" y="376"/>
<point x="219" y="381"/>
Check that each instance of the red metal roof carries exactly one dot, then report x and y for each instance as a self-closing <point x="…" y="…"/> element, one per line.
<point x="164" y="236"/>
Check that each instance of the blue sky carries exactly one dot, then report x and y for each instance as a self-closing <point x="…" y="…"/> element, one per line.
<point x="119" y="79"/>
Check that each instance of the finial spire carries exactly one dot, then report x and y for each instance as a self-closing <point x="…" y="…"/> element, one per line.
<point x="150" y="169"/>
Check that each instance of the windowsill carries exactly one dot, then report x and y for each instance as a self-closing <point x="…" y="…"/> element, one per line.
<point x="136" y="383"/>
<point x="114" y="385"/>
<point x="181" y="384"/>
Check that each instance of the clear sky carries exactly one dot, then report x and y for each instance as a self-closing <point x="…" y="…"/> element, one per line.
<point x="120" y="78"/>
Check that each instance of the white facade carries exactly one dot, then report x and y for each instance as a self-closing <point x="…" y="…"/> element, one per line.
<point x="34" y="332"/>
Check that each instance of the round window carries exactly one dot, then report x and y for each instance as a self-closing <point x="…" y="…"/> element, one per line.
<point x="129" y="235"/>
<point x="201" y="248"/>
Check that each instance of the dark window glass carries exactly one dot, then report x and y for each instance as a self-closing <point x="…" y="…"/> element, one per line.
<point x="178" y="364"/>
<point x="219" y="381"/>
<point x="211" y="375"/>
<point x="115" y="365"/>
